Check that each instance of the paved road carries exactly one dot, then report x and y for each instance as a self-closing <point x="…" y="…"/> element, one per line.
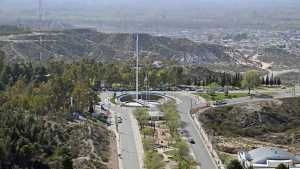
<point x="127" y="140"/>
<point x="129" y="154"/>
<point x="276" y="95"/>
<point x="201" y="153"/>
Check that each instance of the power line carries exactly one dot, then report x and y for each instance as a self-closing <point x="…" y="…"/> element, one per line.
<point x="40" y="13"/>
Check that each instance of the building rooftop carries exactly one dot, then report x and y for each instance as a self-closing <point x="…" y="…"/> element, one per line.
<point x="262" y="155"/>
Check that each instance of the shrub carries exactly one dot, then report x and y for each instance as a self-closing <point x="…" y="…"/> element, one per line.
<point x="234" y="164"/>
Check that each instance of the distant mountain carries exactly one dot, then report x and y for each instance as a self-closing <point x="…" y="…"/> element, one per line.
<point x="80" y="43"/>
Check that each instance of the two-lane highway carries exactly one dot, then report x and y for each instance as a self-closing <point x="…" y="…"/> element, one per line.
<point x="199" y="148"/>
<point x="128" y="149"/>
<point x="129" y="153"/>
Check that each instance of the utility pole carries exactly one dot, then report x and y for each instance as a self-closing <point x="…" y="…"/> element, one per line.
<point x="191" y="107"/>
<point x="71" y="104"/>
<point x="146" y="85"/>
<point x="294" y="90"/>
<point x="137" y="67"/>
<point x="40" y="13"/>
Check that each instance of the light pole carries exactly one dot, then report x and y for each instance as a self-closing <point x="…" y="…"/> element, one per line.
<point x="71" y="104"/>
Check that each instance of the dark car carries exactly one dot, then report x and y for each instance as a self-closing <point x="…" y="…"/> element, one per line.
<point x="120" y="120"/>
<point x="191" y="140"/>
<point x="220" y="102"/>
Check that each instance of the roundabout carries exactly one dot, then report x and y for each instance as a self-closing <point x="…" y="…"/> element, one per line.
<point x="143" y="99"/>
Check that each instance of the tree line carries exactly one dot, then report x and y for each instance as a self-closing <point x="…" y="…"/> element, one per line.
<point x="117" y="74"/>
<point x="271" y="80"/>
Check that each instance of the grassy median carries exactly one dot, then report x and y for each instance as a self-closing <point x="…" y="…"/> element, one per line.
<point x="177" y="150"/>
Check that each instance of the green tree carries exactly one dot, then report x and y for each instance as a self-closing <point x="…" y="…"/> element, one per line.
<point x="185" y="161"/>
<point x="212" y="88"/>
<point x="234" y="164"/>
<point x="58" y="91"/>
<point x="172" y="116"/>
<point x="142" y="116"/>
<point x="281" y="166"/>
<point x="5" y="76"/>
<point x="26" y="142"/>
<point x="148" y="132"/>
<point x="251" y="80"/>
<point x="80" y="94"/>
<point x="40" y="73"/>
<point x="2" y="64"/>
<point x="173" y="123"/>
<point x="112" y="73"/>
<point x="278" y="82"/>
<point x="267" y="80"/>
<point x="153" y="160"/>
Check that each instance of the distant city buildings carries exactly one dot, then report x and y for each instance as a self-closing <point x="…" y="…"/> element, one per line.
<point x="287" y="40"/>
<point x="268" y="158"/>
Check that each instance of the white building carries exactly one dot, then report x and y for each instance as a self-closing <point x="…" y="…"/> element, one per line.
<point x="268" y="158"/>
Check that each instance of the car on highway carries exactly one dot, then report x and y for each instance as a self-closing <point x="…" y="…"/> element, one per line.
<point x="119" y="120"/>
<point x="219" y="103"/>
<point x="200" y="90"/>
<point x="191" y="140"/>
<point x="183" y="132"/>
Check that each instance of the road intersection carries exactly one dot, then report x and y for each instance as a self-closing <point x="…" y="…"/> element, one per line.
<point x="202" y="154"/>
<point x="130" y="144"/>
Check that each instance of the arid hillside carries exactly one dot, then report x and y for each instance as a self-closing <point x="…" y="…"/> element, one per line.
<point x="254" y="124"/>
<point x="86" y="43"/>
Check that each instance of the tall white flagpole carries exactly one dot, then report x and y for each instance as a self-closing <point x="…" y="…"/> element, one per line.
<point x="137" y="67"/>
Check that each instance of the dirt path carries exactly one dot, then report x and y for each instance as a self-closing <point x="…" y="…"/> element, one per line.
<point x="264" y="65"/>
<point x="113" y="162"/>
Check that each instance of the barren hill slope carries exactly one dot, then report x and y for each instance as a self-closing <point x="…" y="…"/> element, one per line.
<point x="78" y="43"/>
<point x="266" y="122"/>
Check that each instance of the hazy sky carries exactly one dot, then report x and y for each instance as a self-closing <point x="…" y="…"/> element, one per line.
<point x="178" y="10"/>
<point x="151" y="2"/>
